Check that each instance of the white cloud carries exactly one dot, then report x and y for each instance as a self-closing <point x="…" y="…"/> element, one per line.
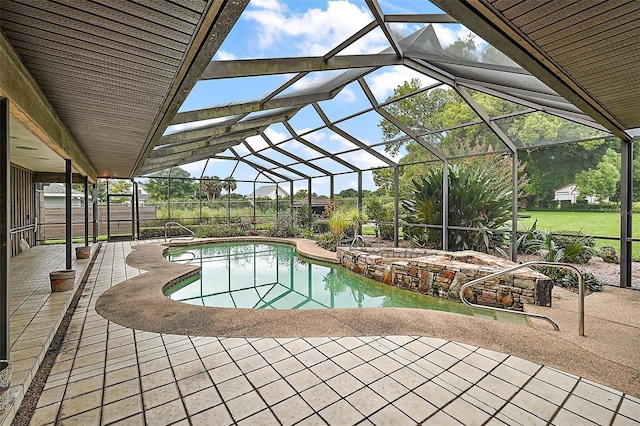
<point x="447" y="34"/>
<point x="275" y="136"/>
<point x="346" y="95"/>
<point x="194" y="169"/>
<point x="343" y="144"/>
<point x="382" y="84"/>
<point x="257" y="142"/>
<point x="222" y="55"/>
<point x="315" y="31"/>
<point x="362" y="160"/>
<point x="269" y="4"/>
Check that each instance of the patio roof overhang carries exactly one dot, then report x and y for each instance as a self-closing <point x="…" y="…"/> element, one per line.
<point x="99" y="82"/>
<point x="586" y="51"/>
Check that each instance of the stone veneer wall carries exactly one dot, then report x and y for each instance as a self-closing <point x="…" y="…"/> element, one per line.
<point x="441" y="274"/>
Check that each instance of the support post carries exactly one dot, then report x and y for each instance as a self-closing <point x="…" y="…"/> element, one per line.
<point x="445" y="205"/>
<point x="514" y="206"/>
<point x="254" y="204"/>
<point x="396" y="206"/>
<point x="277" y="201"/>
<point x="332" y="189"/>
<point x="360" y="203"/>
<point x="228" y="204"/>
<point x="94" y="200"/>
<point x="169" y="195"/>
<point x="137" y="201"/>
<point x="68" y="216"/>
<point x="626" y="198"/>
<point x="133" y="210"/>
<point x="5" y="226"/>
<point x="291" y="197"/>
<point x="86" y="211"/>
<point x="108" y="213"/>
<point x="309" y="213"/>
<point x="200" y="199"/>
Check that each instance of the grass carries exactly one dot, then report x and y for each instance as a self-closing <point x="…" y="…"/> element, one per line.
<point x="589" y="223"/>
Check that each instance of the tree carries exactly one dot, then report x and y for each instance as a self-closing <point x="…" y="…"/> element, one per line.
<point x="119" y="186"/>
<point x="378" y="212"/>
<point x="211" y="186"/>
<point x="601" y="181"/>
<point x="301" y="194"/>
<point x="427" y="113"/>
<point x="551" y="168"/>
<point x="229" y="184"/>
<point x="433" y="110"/>
<point x="348" y="193"/>
<point x="182" y="186"/>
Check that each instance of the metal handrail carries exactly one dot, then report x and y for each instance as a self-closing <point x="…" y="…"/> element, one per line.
<point x="530" y="314"/>
<point x="356" y="238"/>
<point x="24" y="228"/>
<point x="169" y="224"/>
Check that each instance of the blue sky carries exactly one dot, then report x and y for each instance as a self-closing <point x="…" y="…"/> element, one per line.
<point x="274" y="28"/>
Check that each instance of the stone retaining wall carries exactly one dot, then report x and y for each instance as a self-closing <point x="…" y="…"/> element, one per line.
<point x="441" y="274"/>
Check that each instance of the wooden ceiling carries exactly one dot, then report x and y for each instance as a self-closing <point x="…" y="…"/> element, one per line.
<point x="116" y="72"/>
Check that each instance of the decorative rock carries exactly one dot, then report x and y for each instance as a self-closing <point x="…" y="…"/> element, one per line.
<point x="609" y="254"/>
<point x="505" y="298"/>
<point x="5" y="381"/>
<point x="442" y="274"/>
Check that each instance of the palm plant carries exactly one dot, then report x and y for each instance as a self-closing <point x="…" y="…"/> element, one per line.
<point x="229" y="184"/>
<point x="574" y="249"/>
<point x="211" y="186"/>
<point x="475" y="200"/>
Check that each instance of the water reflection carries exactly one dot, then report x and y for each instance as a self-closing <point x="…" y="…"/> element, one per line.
<point x="273" y="276"/>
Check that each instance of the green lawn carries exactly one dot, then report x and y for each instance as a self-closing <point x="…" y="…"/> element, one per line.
<point x="589" y="223"/>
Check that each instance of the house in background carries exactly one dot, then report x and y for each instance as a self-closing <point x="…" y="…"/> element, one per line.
<point x="572" y="193"/>
<point x="567" y="193"/>
<point x="317" y="204"/>
<point x="54" y="196"/>
<point x="268" y="191"/>
<point x="143" y="194"/>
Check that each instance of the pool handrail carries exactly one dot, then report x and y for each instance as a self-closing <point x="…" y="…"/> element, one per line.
<point x="530" y="314"/>
<point x="356" y="238"/>
<point x="167" y="225"/>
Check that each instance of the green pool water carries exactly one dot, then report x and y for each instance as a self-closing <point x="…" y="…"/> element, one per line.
<point x="274" y="276"/>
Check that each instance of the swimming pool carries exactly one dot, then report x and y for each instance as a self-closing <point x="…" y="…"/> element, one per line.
<point x="273" y="276"/>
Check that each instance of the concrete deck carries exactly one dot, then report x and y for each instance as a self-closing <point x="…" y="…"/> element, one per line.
<point x="367" y="366"/>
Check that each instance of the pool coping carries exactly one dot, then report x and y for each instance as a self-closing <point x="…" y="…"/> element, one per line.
<point x="157" y="313"/>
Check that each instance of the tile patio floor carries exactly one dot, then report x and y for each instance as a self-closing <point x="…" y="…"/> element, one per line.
<point x="109" y="374"/>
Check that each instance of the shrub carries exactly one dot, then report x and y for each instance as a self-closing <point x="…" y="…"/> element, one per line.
<point x="476" y="200"/>
<point x="306" y="233"/>
<point x="575" y="248"/>
<point x="219" y="231"/>
<point x="378" y="212"/>
<point x="285" y="226"/>
<point x="386" y="231"/>
<point x="321" y="226"/>
<point x="158" y="232"/>
<point x="584" y="243"/>
<point x="329" y="241"/>
<point x="570" y="280"/>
